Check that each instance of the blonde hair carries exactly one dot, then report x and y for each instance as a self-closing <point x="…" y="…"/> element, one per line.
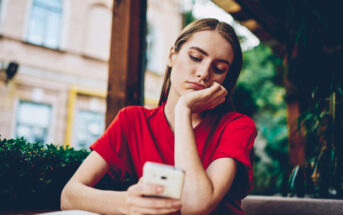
<point x="227" y="32"/>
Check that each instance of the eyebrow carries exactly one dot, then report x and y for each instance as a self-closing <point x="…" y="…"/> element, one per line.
<point x="205" y="53"/>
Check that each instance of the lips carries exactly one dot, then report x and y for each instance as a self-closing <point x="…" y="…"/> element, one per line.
<point x="197" y="85"/>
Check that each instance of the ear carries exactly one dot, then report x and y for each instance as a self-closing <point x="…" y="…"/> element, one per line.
<point x="171" y="57"/>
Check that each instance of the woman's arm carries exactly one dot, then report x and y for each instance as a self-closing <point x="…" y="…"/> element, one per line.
<point x="203" y="190"/>
<point x="80" y="194"/>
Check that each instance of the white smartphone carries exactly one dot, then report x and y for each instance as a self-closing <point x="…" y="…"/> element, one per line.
<point x="170" y="177"/>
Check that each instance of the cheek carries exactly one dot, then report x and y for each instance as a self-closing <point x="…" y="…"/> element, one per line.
<point x="219" y="78"/>
<point x="180" y="71"/>
<point x="175" y="77"/>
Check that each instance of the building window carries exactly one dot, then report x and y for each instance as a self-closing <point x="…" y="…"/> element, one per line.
<point x="154" y="53"/>
<point x="33" y="120"/>
<point x="45" y="23"/>
<point x="1" y="15"/>
<point x="89" y="127"/>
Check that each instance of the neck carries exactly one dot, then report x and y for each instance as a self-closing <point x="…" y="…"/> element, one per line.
<point x="173" y="97"/>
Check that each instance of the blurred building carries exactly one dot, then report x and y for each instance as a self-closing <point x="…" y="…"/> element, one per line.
<point x="164" y="23"/>
<point x="62" y="48"/>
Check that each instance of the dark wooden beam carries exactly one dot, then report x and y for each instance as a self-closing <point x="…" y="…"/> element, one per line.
<point x="295" y="141"/>
<point x="126" y="63"/>
<point x="241" y="16"/>
<point x="262" y="16"/>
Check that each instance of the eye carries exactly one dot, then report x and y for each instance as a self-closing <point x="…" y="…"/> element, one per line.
<point x="218" y="71"/>
<point x="193" y="58"/>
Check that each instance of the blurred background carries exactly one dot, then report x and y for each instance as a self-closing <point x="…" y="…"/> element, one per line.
<point x="54" y="61"/>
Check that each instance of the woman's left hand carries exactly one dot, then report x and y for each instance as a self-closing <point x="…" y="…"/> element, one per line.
<point x="205" y="99"/>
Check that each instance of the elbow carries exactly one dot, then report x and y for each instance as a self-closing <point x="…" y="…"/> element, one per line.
<point x="65" y="203"/>
<point x="197" y="209"/>
<point x="203" y="204"/>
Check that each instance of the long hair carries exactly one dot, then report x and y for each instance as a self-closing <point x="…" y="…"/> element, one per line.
<point x="226" y="31"/>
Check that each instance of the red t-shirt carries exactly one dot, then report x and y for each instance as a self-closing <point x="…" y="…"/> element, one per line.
<point x="138" y="135"/>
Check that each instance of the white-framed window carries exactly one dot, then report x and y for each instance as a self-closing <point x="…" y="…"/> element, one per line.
<point x="45" y="23"/>
<point x="1" y="14"/>
<point x="89" y="127"/>
<point x="155" y="61"/>
<point x="33" y="121"/>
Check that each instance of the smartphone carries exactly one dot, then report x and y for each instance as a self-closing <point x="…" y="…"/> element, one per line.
<point x="170" y="177"/>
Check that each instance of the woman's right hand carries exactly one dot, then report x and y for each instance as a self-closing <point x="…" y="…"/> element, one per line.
<point x="201" y="100"/>
<point x="139" y="202"/>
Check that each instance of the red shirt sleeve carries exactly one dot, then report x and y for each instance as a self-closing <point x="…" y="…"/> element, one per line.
<point x="113" y="148"/>
<point x="236" y="142"/>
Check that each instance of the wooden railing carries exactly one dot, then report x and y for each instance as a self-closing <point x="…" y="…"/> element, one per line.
<point x="272" y="205"/>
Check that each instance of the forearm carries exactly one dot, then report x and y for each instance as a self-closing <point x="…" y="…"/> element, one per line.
<point x="187" y="158"/>
<point x="79" y="196"/>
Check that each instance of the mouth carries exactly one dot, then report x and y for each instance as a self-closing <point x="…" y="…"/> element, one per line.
<point x="196" y="85"/>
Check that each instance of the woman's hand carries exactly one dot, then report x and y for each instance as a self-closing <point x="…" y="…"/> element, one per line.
<point x="201" y="100"/>
<point x="138" y="201"/>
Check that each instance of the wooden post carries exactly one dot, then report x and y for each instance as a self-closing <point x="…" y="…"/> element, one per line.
<point x="126" y="63"/>
<point x="295" y="141"/>
<point x="296" y="144"/>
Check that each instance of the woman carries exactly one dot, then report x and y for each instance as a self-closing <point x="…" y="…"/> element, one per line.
<point x="194" y="129"/>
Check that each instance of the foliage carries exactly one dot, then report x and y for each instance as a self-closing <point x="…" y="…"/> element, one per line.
<point x="260" y="94"/>
<point x="312" y="49"/>
<point x="321" y="175"/>
<point x="315" y="80"/>
<point x="188" y="17"/>
<point x="33" y="175"/>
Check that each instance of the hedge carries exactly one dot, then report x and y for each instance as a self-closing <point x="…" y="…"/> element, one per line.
<point x="33" y="175"/>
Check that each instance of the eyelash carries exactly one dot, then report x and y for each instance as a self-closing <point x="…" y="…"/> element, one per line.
<point x="216" y="70"/>
<point x="195" y="58"/>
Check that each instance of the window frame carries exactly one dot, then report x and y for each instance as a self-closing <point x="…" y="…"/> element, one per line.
<point x="50" y="120"/>
<point x="80" y="111"/>
<point x="3" y="5"/>
<point x="48" y="11"/>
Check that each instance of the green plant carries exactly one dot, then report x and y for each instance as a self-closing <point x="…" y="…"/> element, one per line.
<point x="259" y="94"/>
<point x="33" y="175"/>
<point x="314" y="76"/>
<point x="321" y="126"/>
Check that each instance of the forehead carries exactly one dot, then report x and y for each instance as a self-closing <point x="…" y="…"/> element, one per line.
<point x="212" y="43"/>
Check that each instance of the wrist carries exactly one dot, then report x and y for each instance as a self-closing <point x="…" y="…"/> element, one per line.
<point x="181" y="108"/>
<point x="123" y="205"/>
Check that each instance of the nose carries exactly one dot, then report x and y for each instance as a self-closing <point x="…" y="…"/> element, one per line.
<point x="204" y="72"/>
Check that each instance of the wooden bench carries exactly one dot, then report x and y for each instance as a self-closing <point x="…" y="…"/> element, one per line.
<point x="272" y="205"/>
<point x="254" y="205"/>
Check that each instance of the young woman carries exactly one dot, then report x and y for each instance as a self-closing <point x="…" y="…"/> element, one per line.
<point x="194" y="129"/>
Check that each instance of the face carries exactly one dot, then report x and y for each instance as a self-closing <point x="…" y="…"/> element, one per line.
<point x="204" y="58"/>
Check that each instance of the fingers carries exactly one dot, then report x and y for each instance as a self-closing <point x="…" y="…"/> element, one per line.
<point x="216" y="93"/>
<point x="140" y="210"/>
<point x="216" y="96"/>
<point x="139" y="202"/>
<point x="154" y="203"/>
<point x="215" y="90"/>
<point x="218" y="101"/>
<point x="141" y="189"/>
<point x="205" y="99"/>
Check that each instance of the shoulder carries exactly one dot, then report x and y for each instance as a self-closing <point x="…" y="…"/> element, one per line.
<point x="237" y="119"/>
<point x="137" y="112"/>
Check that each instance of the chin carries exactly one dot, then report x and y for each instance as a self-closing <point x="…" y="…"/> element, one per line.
<point x="190" y="90"/>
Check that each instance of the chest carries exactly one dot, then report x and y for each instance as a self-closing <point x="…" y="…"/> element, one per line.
<point x="154" y="141"/>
